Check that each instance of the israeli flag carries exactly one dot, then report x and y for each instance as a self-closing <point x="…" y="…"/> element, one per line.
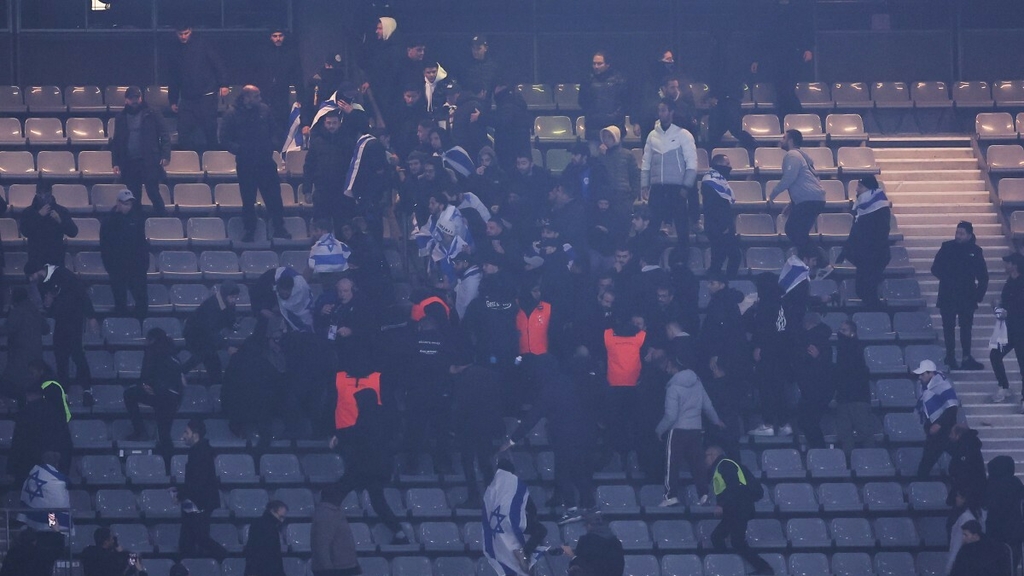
<point x="46" y="491"/>
<point x="793" y="273"/>
<point x="294" y="140"/>
<point x="458" y="159"/>
<point x="326" y="107"/>
<point x="328" y="255"/>
<point x="504" y="523"/>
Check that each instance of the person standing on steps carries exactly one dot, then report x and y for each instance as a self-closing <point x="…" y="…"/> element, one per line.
<point x="805" y="191"/>
<point x="963" y="280"/>
<point x="1010" y="317"/>
<point x="937" y="407"/>
<point x="736" y="491"/>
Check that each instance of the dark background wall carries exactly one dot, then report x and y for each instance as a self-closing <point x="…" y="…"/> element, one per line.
<point x="536" y="40"/>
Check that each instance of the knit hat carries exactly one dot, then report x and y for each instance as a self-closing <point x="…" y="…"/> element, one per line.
<point x="967" y="226"/>
<point x="615" y="133"/>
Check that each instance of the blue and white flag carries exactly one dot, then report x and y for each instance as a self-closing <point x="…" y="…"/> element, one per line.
<point x="328" y="106"/>
<point x="294" y="140"/>
<point x="720" y="185"/>
<point x="504" y="523"/>
<point x="46" y="490"/>
<point x="871" y="201"/>
<point x="458" y="159"/>
<point x="353" y="165"/>
<point x="793" y="273"/>
<point x="935" y="399"/>
<point x="328" y="255"/>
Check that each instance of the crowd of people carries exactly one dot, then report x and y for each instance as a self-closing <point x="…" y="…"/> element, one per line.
<point x="569" y="299"/>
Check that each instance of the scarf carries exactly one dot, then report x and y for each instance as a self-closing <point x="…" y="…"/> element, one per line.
<point x="793" y="273"/>
<point x="357" y="159"/>
<point x="871" y="201"/>
<point x="720" y="185"/>
<point x="935" y="399"/>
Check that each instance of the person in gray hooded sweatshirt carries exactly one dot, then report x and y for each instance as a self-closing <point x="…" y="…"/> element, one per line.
<point x="685" y="402"/>
<point x="805" y="191"/>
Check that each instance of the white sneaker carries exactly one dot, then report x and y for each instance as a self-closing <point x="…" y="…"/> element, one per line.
<point x="673" y="501"/>
<point x="703" y="500"/>
<point x="762" y="430"/>
<point x="999" y="396"/>
<point x="786" y="430"/>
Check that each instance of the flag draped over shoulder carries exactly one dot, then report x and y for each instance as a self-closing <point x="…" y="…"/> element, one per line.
<point x="935" y="399"/>
<point x="328" y="106"/>
<point x="46" y="491"/>
<point x="793" y="273"/>
<point x="294" y="140"/>
<point x="504" y="524"/>
<point x="458" y="160"/>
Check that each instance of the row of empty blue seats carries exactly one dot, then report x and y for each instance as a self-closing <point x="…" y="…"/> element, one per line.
<point x="86" y="99"/>
<point x="22" y="165"/>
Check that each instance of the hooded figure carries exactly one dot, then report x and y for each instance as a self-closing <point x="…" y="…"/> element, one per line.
<point x="1004" y="495"/>
<point x="379" y="60"/>
<point x="620" y="167"/>
<point x="766" y="323"/>
<point x="963" y="280"/>
<point x="44" y="224"/>
<point x="254" y="380"/>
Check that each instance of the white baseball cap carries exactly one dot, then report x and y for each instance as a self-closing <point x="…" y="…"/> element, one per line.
<point x="926" y="366"/>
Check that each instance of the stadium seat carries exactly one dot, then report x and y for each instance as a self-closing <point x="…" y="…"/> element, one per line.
<point x="556" y="159"/>
<point x="74" y="197"/>
<point x="1008" y="93"/>
<point x="553" y="129"/>
<point x="738" y="158"/>
<point x="674" y="535"/>
<point x="227" y="197"/>
<point x="835" y="195"/>
<point x="908" y="457"/>
<point x="795" y="497"/>
<point x="851" y="533"/>
<point x="632" y="533"/>
<point x="891" y="95"/>
<point x="681" y="565"/>
<point x="641" y="565"/>
<point x="915" y="353"/>
<point x="12" y="101"/>
<point x="933" y="532"/>
<point x="874" y="327"/>
<point x="146" y="469"/>
<point x="567" y="97"/>
<point x="18" y="165"/>
<point x="1005" y="159"/>
<point x="122" y="331"/>
<point x="10" y="133"/>
<point x="839" y="497"/>
<point x="845" y="128"/>
<point x="193" y="198"/>
<point x="236" y="231"/>
<point x="440" y="536"/>
<point x="157" y="97"/>
<point x="159" y="503"/>
<point x="536" y="96"/>
<point x="763" y="127"/>
<point x="805" y="533"/>
<point x="117" y="503"/>
<point x="927" y="496"/>
<point x="930" y="94"/>
<point x="724" y="565"/>
<point x="9" y="233"/>
<point x="748" y="194"/>
<point x="184" y="165"/>
<point x="973" y="95"/>
<point x="903" y="428"/>
<point x="617" y="499"/>
<point x="179" y="266"/>
<point x="219" y="164"/>
<point x="97" y="469"/>
<point x="454" y="566"/>
<point x="896" y="533"/>
<point x="88" y="233"/>
<point x="44" y="100"/>
<point x="207" y="232"/>
<point x="45" y="132"/>
<point x="808" y="564"/>
<point x="931" y="563"/>
<point x="851" y="95"/>
<point x="824" y="163"/>
<point x="763" y="95"/>
<point x="255" y="262"/>
<point x="128" y="363"/>
<point x="322" y="468"/>
<point x="895" y="394"/>
<point x="294" y="162"/>
<point x="856" y="162"/>
<point x="814" y="96"/>
<point x="410" y="566"/>
<point x="809" y="126"/>
<point x="827" y="463"/>
<point x="247" y="502"/>
<point x="851" y="564"/>
<point x="188" y="297"/>
<point x="782" y="463"/>
<point x="236" y="469"/>
<point x="756" y="228"/>
<point x="134" y="537"/>
<point x="165" y="233"/>
<point x="902" y="292"/>
<point x="994" y="126"/>
<point x="97" y="165"/>
<point x="300" y="501"/>
<point x="834" y="227"/>
<point x="884" y="497"/>
<point x="86" y="132"/>
<point x="220" y="265"/>
<point x="295" y="226"/>
<point x="427" y="502"/>
<point x="1011" y="193"/>
<point x="280" y="469"/>
<point x="765" y="259"/>
<point x="768" y="161"/>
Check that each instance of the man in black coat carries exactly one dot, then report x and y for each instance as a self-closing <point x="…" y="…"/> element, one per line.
<point x="34" y="553"/>
<point x="963" y="280"/>
<point x="368" y="181"/>
<point x="254" y="381"/>
<point x="981" y="555"/>
<point x="476" y="417"/>
<point x="469" y="124"/>
<point x="481" y="70"/>
<point x="278" y="70"/>
<point x="125" y="253"/>
<point x="44" y="224"/>
<point x="1004" y="496"/>
<point x="203" y="329"/>
<point x="966" y="464"/>
<point x="105" y="556"/>
<point x="199" y="495"/>
<point x="812" y="366"/>
<point x="736" y="492"/>
<point x="263" y="548"/>
<point x="603" y="98"/>
<point x="140" y="148"/>
<point x="867" y="247"/>
<point x="326" y="165"/>
<point x="39" y="427"/>
<point x="853" y="391"/>
<point x="1010" y="310"/>
<point x="512" y="123"/>
<point x="250" y="133"/>
<point x="196" y="81"/>
<point x="64" y="296"/>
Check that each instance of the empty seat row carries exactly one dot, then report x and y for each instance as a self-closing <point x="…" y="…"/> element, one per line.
<point x="83" y="99"/>
<point x="51" y="132"/>
<point x="925" y="94"/>
<point x="21" y="165"/>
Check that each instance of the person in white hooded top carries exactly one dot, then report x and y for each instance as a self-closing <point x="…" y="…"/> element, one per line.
<point x="686" y="402"/>
<point x="668" y="173"/>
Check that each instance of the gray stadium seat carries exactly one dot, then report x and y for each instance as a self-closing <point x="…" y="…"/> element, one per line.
<point x="808" y="533"/>
<point x="779" y="463"/>
<point x="756" y="228"/>
<point x="537" y="96"/>
<point x="1005" y="159"/>
<point x="809" y="125"/>
<point x="681" y="565"/>
<point x="632" y="533"/>
<point x="440" y="536"/>
<point x="172" y="326"/>
<point x="851" y="564"/>
<point x="300" y="233"/>
<point x="1011" y="193"/>
<point x="994" y="126"/>
<point x="903" y="292"/>
<point x="122" y="331"/>
<point x="824" y="162"/>
<point x="219" y="164"/>
<point x="973" y="95"/>
<point x="827" y="463"/>
<point x="617" y="499"/>
<point x="896" y="394"/>
<point x="748" y="194"/>
<point x="207" y="232"/>
<point x="12" y="101"/>
<point x="896" y="533"/>
<point x="885" y="359"/>
<point x="10" y="133"/>
<point x="845" y="128"/>
<point x="884" y="497"/>
<point x="165" y="233"/>
<point x="763" y="94"/>
<point x="903" y="427"/>
<point x="128" y="363"/>
<point x="410" y="566"/>
<point x="166" y="536"/>
<point x="99" y="469"/>
<point x="556" y="159"/>
<point x="765" y="259"/>
<point x="765" y="533"/>
<point x="674" y="535"/>
<point x="808" y="564"/>
<point x="931" y="563"/>
<point x="227" y="196"/>
<point x="891" y="95"/>
<point x="814" y="95"/>
<point x="188" y="297"/>
<point x="85" y="132"/>
<point x="426" y="502"/>
<point x="193" y="198"/>
<point x="280" y="469"/>
<point x="454" y="566"/>
<point x="840" y="497"/>
<point x="181" y="266"/>
<point x="44" y="99"/>
<point x="74" y="197"/>
<point x="768" y="161"/>
<point x="201" y="566"/>
<point x="159" y="503"/>
<point x="927" y="496"/>
<point x="933" y="531"/>
<point x="567" y="97"/>
<point x="851" y="95"/>
<point x="874" y="327"/>
<point x="247" y="502"/>
<point x="1008" y="93"/>
<point x="45" y="132"/>
<point x="88" y="233"/>
<point x="184" y="165"/>
<point x="641" y="565"/>
<point x="219" y="265"/>
<point x="133" y="537"/>
<point x="117" y="503"/>
<point x="834" y="227"/>
<point x="322" y="468"/>
<point x="763" y="127"/>
<point x="856" y="161"/>
<point x="930" y="94"/>
<point x="797" y="497"/>
<point x="724" y="565"/>
<point x="851" y="533"/>
<point x="236" y="469"/>
<point x="294" y="162"/>
<point x="553" y="130"/>
<point x="915" y="353"/>
<point x="299" y="501"/>
<point x="739" y="158"/>
<point x="236" y="230"/>
<point x="17" y="165"/>
<point x="256" y="262"/>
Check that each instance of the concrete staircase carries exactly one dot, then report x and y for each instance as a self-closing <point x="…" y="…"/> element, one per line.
<point x="932" y="189"/>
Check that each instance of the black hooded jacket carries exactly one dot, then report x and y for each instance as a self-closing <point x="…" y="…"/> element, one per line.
<point x="44" y="234"/>
<point x="1003" y="498"/>
<point x="962" y="274"/>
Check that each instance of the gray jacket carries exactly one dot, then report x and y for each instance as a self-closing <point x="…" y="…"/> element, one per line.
<point x="799" y="178"/>
<point x="685" y="401"/>
<point x="334" y="548"/>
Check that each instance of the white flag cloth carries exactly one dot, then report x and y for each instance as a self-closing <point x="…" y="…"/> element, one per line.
<point x="294" y="140"/>
<point x="46" y="490"/>
<point x="793" y="273"/>
<point x="504" y="523"/>
<point x="330" y="105"/>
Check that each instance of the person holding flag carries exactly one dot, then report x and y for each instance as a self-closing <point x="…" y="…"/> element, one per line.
<point x="512" y="531"/>
<point x="867" y="246"/>
<point x="937" y="406"/>
<point x="45" y="491"/>
<point x="720" y="217"/>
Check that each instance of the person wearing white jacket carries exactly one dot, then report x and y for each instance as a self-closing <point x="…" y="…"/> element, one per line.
<point x="669" y="165"/>
<point x="686" y="402"/>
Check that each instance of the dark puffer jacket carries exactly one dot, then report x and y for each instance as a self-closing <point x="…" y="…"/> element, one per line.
<point x="603" y="98"/>
<point x="962" y="274"/>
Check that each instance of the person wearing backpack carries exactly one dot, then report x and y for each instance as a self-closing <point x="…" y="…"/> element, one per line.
<point x="736" y="490"/>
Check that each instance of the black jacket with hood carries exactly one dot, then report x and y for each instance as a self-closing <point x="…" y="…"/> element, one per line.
<point x="1003" y="498"/>
<point x="962" y="274"/>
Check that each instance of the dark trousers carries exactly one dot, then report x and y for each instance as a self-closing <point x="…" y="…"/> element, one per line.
<point x="473" y="452"/>
<point x="685" y="446"/>
<point x="164" y="407"/>
<point x="135" y="282"/>
<point x="375" y="490"/>
<point x="669" y="204"/>
<point x="867" y="279"/>
<point x="725" y="247"/>
<point x="771" y="375"/>
<point x="207" y="356"/>
<point x="427" y="417"/>
<point x="728" y="116"/>
<point x="808" y="418"/>
<point x="950" y="318"/>
<point x="195" y="537"/>
<point x="996" y="357"/>
<point x="136" y="173"/>
<point x="574" y="480"/>
<point x="620" y="418"/>
<point x="197" y="123"/>
<point x="802" y="217"/>
<point x="934" y="446"/>
<point x="734" y="527"/>
<point x="260" y="174"/>
<point x="67" y="346"/>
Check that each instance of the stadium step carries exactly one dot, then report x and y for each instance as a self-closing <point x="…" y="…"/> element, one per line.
<point x="925" y="175"/>
<point x="922" y="153"/>
<point x="930" y="164"/>
<point x="897" y="187"/>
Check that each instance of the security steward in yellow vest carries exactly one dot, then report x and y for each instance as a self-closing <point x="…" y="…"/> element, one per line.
<point x="736" y="490"/>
